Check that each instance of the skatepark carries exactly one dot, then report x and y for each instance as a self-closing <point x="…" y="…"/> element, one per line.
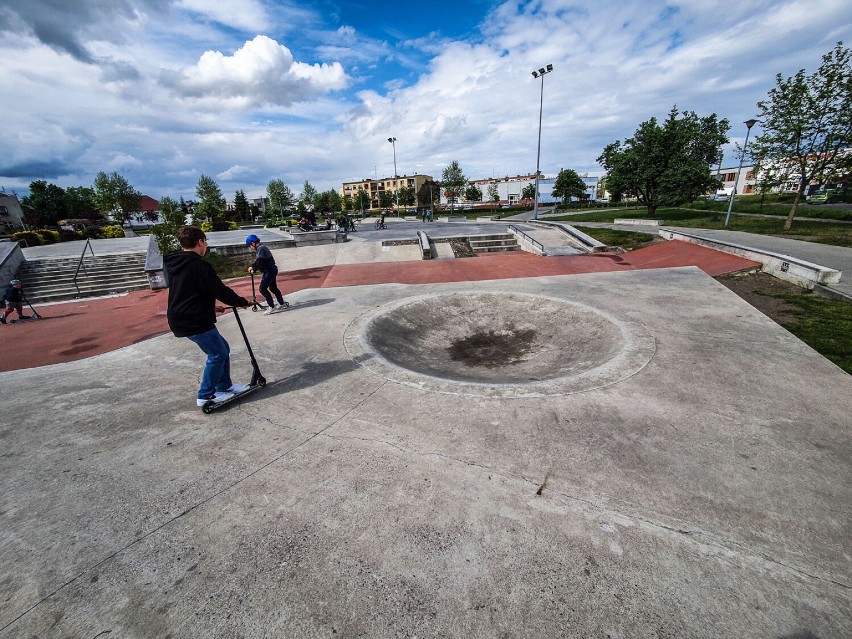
<point x="502" y="446"/>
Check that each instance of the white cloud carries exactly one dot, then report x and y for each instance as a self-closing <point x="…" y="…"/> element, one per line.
<point x="260" y="73"/>
<point x="248" y="15"/>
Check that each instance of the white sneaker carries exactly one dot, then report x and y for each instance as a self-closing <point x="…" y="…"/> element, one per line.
<point x="269" y="311"/>
<point x="217" y="397"/>
<point x="239" y="388"/>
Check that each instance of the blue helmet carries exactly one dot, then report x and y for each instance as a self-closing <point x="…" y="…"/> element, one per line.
<point x="252" y="238"/>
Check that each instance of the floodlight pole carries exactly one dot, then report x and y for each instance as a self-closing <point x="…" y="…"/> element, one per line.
<point x="749" y="124"/>
<point x="395" y="174"/>
<point x="540" y="73"/>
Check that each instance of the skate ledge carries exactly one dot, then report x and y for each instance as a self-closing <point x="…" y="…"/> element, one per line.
<point x="784" y="267"/>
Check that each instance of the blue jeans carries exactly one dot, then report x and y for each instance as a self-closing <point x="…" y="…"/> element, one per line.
<point x="217" y="372"/>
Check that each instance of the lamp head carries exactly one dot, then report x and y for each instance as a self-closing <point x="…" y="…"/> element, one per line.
<point x="549" y="68"/>
<point x="750" y="123"/>
<point x="535" y="74"/>
<point x="542" y="71"/>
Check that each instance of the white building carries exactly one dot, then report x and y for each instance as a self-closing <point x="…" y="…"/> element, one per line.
<point x="11" y="213"/>
<point x="509" y="189"/>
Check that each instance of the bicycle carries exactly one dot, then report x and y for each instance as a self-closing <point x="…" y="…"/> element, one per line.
<point x="380" y="224"/>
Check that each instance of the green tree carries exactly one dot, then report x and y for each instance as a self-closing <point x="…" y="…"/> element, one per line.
<point x="387" y="199"/>
<point x="211" y="203"/>
<point x="429" y="194"/>
<point x="347" y="203"/>
<point x="45" y="205"/>
<point x="171" y="213"/>
<point x="308" y="194"/>
<point x="280" y="196"/>
<point x="453" y="181"/>
<point x="473" y="193"/>
<point x="115" y="197"/>
<point x="406" y="196"/>
<point x="569" y="184"/>
<point x="241" y="206"/>
<point x="666" y="165"/>
<point x="493" y="192"/>
<point x="528" y="192"/>
<point x="361" y="200"/>
<point x="80" y="203"/>
<point x="807" y="122"/>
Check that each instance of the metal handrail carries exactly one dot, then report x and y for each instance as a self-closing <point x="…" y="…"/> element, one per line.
<point x="526" y="237"/>
<point x="88" y="245"/>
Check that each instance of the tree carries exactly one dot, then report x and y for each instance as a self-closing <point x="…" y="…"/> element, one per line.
<point x="493" y="192"/>
<point x="114" y="196"/>
<point x="361" y="200"/>
<point x="210" y="204"/>
<point x="406" y="196"/>
<point x="280" y="196"/>
<point x="241" y="206"/>
<point x="348" y="203"/>
<point x="308" y="194"/>
<point x="386" y="199"/>
<point x="473" y="193"/>
<point x="453" y="182"/>
<point x="528" y="192"/>
<point x="171" y="213"/>
<point x="807" y="122"/>
<point x="80" y="203"/>
<point x="569" y="184"/>
<point x="45" y="205"/>
<point x="666" y="165"/>
<point x="429" y="193"/>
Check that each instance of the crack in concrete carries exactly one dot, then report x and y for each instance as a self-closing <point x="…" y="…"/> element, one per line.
<point x="188" y="510"/>
<point x="731" y="548"/>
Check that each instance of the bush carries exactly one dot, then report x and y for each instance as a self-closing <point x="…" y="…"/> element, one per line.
<point x="112" y="231"/>
<point x="48" y="237"/>
<point x="219" y="225"/>
<point x="31" y="238"/>
<point x="166" y="238"/>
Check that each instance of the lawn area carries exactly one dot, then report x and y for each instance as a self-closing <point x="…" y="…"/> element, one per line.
<point x="821" y="232"/>
<point x="825" y="326"/>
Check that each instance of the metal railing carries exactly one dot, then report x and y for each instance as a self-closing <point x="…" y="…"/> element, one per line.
<point x="80" y="264"/>
<point x="538" y="246"/>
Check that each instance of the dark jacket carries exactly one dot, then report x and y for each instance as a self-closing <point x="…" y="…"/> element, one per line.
<point x="194" y="288"/>
<point x="264" y="262"/>
<point x="14" y="295"/>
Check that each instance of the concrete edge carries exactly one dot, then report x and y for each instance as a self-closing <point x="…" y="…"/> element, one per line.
<point x="790" y="269"/>
<point x="832" y="294"/>
<point x="585" y="242"/>
<point x="425" y="246"/>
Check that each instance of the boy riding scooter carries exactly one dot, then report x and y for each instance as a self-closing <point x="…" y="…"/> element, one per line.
<point x="265" y="263"/>
<point x="13" y="301"/>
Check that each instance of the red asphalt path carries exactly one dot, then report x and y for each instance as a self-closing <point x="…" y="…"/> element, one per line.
<point x="83" y="328"/>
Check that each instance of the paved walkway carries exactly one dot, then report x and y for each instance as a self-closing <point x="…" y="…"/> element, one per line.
<point x="73" y="330"/>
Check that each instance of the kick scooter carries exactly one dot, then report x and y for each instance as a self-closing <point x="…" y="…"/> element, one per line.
<point x="34" y="315"/>
<point x="257" y="380"/>
<point x="254" y="303"/>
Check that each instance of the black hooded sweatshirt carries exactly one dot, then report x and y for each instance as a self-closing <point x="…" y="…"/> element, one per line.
<point x="194" y="288"/>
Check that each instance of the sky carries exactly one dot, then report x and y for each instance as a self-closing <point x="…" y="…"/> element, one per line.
<point x="246" y="91"/>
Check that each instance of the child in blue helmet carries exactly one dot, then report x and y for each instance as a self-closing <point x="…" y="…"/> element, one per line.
<point x="12" y="301"/>
<point x="265" y="263"/>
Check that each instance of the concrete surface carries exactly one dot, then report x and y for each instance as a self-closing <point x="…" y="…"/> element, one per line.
<point x="705" y="495"/>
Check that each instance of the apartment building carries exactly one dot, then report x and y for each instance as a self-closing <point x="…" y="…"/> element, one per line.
<point x="11" y="213"/>
<point x="728" y="177"/>
<point x="375" y="188"/>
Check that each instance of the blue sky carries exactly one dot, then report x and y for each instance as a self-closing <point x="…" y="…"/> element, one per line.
<point x="245" y="91"/>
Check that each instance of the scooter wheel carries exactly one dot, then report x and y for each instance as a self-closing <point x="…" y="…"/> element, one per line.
<point x="261" y="381"/>
<point x="254" y="309"/>
<point x="207" y="408"/>
<point x="286" y="304"/>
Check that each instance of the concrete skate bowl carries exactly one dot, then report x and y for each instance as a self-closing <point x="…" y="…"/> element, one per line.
<point x="498" y="344"/>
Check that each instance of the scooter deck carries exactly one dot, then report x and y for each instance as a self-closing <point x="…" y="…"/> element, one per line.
<point x="210" y="406"/>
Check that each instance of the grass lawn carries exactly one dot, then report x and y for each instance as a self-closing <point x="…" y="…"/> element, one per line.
<point x="821" y="232"/>
<point x="824" y="325"/>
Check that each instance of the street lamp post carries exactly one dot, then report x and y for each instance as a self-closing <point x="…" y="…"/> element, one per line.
<point x="749" y="124"/>
<point x="395" y="174"/>
<point x="540" y="73"/>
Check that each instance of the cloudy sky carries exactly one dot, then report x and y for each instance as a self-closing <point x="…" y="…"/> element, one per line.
<point x="245" y="91"/>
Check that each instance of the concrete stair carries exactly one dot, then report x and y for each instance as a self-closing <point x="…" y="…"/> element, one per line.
<point x="52" y="279"/>
<point x="494" y="243"/>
